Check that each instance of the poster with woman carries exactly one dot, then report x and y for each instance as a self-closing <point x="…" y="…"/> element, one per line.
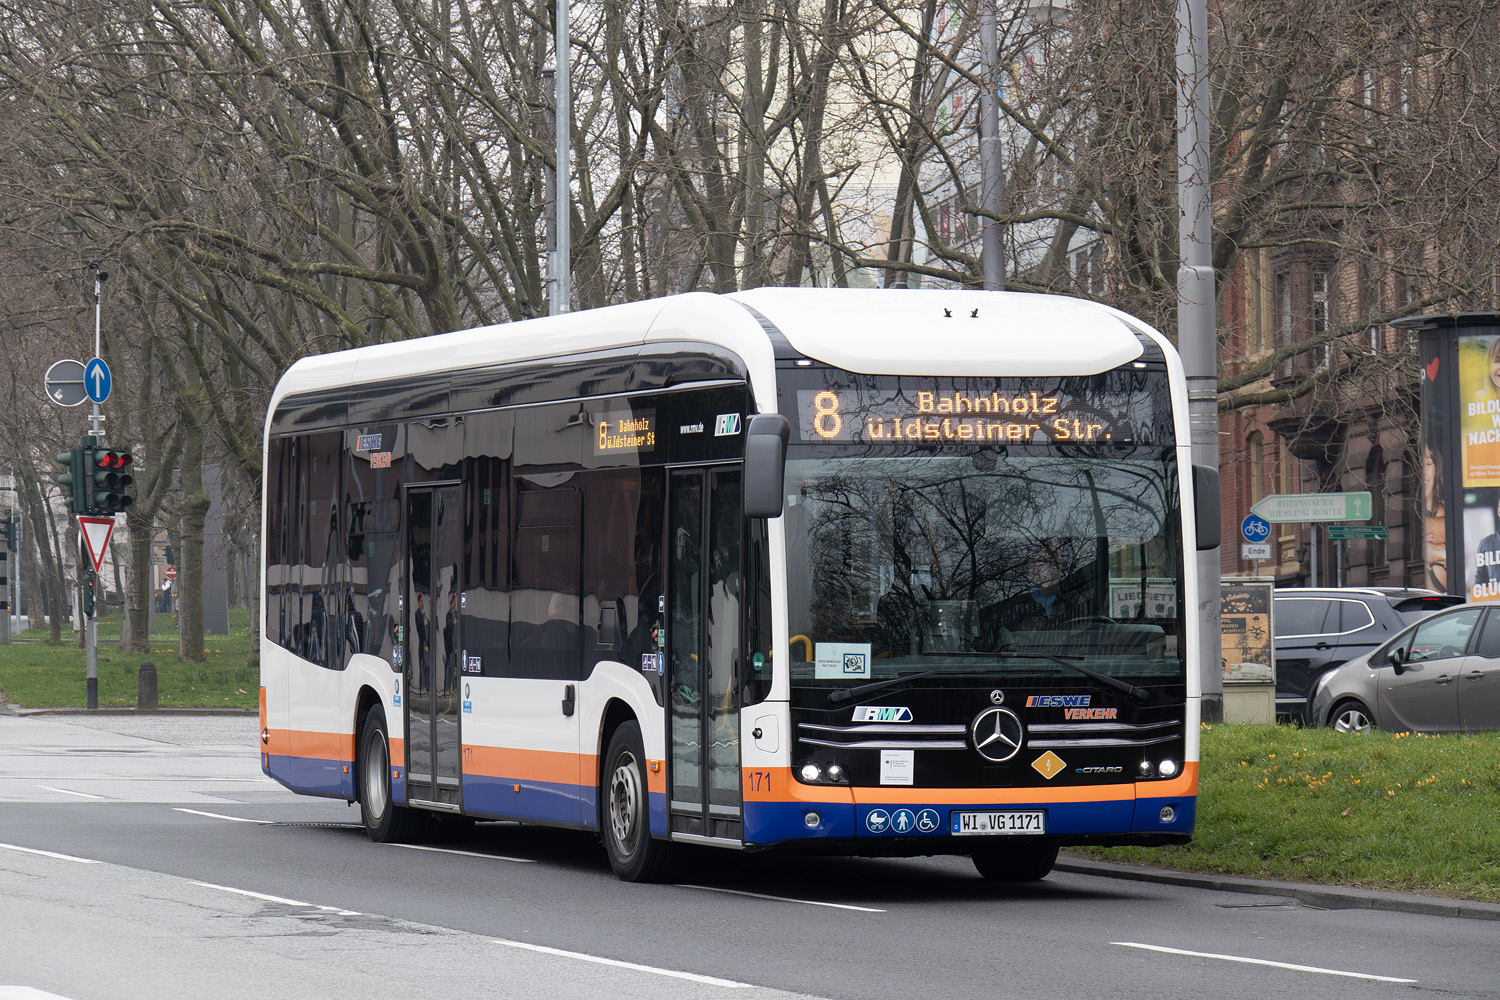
<point x="1432" y="503"/>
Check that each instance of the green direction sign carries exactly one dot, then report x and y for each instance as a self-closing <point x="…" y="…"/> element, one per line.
<point x="1358" y="531"/>
<point x="1286" y="508"/>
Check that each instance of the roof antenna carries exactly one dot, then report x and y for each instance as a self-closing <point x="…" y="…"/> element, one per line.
<point x="948" y="313"/>
<point x="974" y="314"/>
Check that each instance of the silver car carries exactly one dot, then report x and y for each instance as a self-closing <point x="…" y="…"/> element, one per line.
<point x="1441" y="675"/>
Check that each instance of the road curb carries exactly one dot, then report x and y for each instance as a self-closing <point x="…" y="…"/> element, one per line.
<point x="1322" y="896"/>
<point x="30" y="712"/>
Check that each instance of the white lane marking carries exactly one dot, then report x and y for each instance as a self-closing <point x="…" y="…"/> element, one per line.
<point x="1262" y="961"/>
<point x="69" y="791"/>
<point x="467" y="854"/>
<point x="235" y="819"/>
<point x="675" y="974"/>
<point x="781" y="899"/>
<point x="27" y="993"/>
<point x="278" y="899"/>
<point x="49" y="854"/>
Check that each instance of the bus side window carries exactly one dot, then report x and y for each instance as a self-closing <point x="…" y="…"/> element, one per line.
<point x="621" y="564"/>
<point x="486" y="544"/>
<point x="544" y="610"/>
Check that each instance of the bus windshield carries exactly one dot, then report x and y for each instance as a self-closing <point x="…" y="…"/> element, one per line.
<point x="977" y="563"/>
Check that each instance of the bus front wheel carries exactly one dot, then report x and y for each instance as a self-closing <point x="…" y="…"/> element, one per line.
<point x="626" y="821"/>
<point x="385" y="822"/>
<point x="1016" y="862"/>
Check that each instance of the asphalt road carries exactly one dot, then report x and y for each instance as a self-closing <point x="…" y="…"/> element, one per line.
<point x="148" y="857"/>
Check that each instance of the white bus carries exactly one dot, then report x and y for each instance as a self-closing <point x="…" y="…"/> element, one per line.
<point x="867" y="572"/>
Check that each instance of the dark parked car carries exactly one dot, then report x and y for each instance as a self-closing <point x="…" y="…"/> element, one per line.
<point x="1318" y="629"/>
<point x="1441" y="675"/>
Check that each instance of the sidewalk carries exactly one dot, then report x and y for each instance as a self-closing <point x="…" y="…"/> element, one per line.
<point x="1324" y="897"/>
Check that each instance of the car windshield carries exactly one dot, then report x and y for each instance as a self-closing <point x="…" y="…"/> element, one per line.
<point x="990" y="562"/>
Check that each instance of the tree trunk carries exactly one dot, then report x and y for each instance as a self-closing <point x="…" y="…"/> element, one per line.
<point x="135" y="629"/>
<point x="190" y="543"/>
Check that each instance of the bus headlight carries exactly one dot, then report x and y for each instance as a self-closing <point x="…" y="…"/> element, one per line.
<point x="1168" y="768"/>
<point x="811" y="773"/>
<point x="811" y="820"/>
<point x="835" y="772"/>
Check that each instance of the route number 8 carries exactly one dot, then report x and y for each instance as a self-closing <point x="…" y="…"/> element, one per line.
<point x="826" y="419"/>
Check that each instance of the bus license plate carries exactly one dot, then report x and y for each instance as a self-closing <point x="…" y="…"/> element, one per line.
<point x="1007" y="823"/>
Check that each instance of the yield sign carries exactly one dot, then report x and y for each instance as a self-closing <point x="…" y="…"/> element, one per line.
<point x="96" y="532"/>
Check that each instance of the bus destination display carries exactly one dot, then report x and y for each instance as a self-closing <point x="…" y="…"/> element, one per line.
<point x="625" y="431"/>
<point x="946" y="415"/>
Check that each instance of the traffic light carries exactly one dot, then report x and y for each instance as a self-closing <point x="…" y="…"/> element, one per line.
<point x="111" y="478"/>
<point x="74" y="481"/>
<point x="90" y="581"/>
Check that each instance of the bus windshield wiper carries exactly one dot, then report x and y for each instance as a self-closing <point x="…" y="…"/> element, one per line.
<point x="849" y="694"/>
<point x="1140" y="694"/>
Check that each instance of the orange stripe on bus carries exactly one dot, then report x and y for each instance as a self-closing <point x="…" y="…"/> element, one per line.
<point x="320" y="746"/>
<point x="776" y="784"/>
<point x="531" y="765"/>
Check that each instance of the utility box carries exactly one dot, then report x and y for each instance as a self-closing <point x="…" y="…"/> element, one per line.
<point x="1249" y="651"/>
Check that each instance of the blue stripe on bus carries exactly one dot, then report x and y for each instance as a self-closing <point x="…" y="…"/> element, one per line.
<point x="312" y="775"/>
<point x="538" y="801"/>
<point x="1148" y="814"/>
<point x="779" y="822"/>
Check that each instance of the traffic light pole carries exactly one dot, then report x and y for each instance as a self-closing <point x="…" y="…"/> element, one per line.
<point x="96" y="428"/>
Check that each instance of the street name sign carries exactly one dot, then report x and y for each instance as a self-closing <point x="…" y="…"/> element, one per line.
<point x="1338" y="532"/>
<point x="64" y="381"/>
<point x="1284" y="508"/>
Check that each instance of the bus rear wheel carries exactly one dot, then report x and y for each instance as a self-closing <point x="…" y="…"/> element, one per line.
<point x="385" y="822"/>
<point x="626" y="821"/>
<point x="1016" y="862"/>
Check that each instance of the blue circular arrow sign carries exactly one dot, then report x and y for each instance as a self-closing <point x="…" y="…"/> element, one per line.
<point x="96" y="380"/>
<point x="1255" y="528"/>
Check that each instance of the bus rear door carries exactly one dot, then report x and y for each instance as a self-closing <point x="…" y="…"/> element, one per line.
<point x="430" y="622"/>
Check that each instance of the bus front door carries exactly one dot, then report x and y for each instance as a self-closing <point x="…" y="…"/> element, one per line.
<point x="703" y="647"/>
<point x="430" y="619"/>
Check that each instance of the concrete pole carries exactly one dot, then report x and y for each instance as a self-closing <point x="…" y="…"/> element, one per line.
<point x="561" y="257"/>
<point x="991" y="170"/>
<point x="1197" y="337"/>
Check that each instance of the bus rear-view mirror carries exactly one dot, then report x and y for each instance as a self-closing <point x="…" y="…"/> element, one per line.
<point x="765" y="464"/>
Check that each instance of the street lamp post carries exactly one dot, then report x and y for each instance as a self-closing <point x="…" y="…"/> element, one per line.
<point x="991" y="176"/>
<point x="1196" y="333"/>
<point x="560" y="260"/>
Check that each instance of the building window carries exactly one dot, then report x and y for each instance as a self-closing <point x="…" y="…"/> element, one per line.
<point x="1322" y="353"/>
<point x="1257" y="467"/>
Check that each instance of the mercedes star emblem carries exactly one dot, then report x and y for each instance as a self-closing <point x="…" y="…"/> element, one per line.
<point x="997" y="734"/>
<point x="997" y="697"/>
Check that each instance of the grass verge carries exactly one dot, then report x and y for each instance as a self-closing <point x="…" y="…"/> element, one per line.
<point x="1398" y="812"/>
<point x="43" y="674"/>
